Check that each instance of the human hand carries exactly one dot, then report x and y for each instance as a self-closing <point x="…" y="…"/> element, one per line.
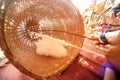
<point x="112" y="49"/>
<point x="113" y="54"/>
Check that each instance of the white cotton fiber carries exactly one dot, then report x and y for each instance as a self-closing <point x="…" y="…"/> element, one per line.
<point x="49" y="46"/>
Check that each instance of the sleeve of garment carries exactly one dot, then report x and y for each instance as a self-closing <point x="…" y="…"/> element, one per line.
<point x="110" y="37"/>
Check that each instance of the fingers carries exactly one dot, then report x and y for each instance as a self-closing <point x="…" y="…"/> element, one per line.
<point x="93" y="36"/>
<point x="114" y="49"/>
<point x="107" y="48"/>
<point x="101" y="47"/>
<point x="96" y="42"/>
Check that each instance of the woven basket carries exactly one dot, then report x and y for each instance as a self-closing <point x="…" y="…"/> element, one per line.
<point x="25" y="16"/>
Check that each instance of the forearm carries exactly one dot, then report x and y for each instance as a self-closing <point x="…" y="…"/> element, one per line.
<point x="113" y="29"/>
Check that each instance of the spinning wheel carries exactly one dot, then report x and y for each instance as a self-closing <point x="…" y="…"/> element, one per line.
<point x="35" y="31"/>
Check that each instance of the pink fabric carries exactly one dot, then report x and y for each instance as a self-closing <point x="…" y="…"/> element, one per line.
<point x="9" y="72"/>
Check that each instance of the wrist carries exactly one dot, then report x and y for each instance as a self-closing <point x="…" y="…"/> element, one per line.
<point x="102" y="38"/>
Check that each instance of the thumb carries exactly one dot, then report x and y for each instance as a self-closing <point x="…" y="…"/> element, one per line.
<point x="93" y="37"/>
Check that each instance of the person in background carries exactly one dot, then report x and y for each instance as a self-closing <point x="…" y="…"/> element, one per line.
<point x="110" y="43"/>
<point x="116" y="9"/>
